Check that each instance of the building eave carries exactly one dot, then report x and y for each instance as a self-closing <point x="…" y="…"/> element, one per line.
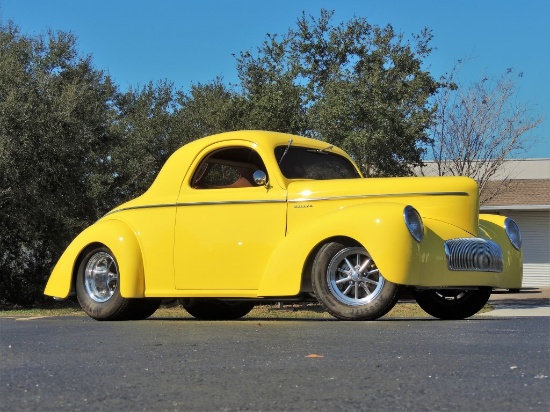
<point x="516" y="207"/>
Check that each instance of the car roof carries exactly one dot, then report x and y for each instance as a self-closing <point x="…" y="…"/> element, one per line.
<point x="265" y="139"/>
<point x="165" y="185"/>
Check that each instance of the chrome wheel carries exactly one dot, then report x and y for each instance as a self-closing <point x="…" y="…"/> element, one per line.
<point x="450" y="295"/>
<point x="101" y="277"/>
<point x="349" y="285"/>
<point x="353" y="278"/>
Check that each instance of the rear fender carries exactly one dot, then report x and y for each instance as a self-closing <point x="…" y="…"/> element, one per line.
<point x="121" y="240"/>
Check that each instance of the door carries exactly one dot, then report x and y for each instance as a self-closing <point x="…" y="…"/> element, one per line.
<point x="226" y="225"/>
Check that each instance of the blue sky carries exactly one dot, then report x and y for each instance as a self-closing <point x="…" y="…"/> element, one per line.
<point x="189" y="42"/>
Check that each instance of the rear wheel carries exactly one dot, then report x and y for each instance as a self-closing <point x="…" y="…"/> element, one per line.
<point x="452" y="303"/>
<point x="349" y="285"/>
<point x="215" y="309"/>
<point x="98" y="289"/>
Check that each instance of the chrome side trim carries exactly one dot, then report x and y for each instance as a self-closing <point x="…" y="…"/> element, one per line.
<point x="307" y="199"/>
<point x="245" y="202"/>
<point x="229" y="202"/>
<point x="474" y="254"/>
<point x="141" y="207"/>
<point x="210" y="203"/>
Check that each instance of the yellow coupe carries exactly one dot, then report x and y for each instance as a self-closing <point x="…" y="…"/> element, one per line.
<point x="240" y="218"/>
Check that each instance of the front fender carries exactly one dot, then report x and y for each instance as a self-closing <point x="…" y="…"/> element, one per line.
<point x="122" y="241"/>
<point x="429" y="265"/>
<point x="492" y="227"/>
<point x="379" y="227"/>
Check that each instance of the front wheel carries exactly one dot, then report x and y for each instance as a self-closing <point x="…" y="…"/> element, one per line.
<point x="349" y="285"/>
<point x="215" y="309"/>
<point x="452" y="304"/>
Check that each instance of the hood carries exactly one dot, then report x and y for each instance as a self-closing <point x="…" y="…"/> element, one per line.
<point x="454" y="200"/>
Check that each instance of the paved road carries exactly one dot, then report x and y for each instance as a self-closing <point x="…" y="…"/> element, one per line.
<point x="76" y="363"/>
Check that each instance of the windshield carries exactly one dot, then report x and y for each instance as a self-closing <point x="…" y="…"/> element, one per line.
<point x="305" y="163"/>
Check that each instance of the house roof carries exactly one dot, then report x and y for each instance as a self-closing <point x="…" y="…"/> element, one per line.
<point x="528" y="194"/>
<point x="520" y="184"/>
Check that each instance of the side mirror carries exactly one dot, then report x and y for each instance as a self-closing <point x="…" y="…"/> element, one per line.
<point x="260" y="178"/>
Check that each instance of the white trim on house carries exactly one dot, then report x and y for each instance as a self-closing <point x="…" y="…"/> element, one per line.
<point x="515" y="207"/>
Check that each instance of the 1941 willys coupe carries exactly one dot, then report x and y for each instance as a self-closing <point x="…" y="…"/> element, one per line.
<point x="245" y="217"/>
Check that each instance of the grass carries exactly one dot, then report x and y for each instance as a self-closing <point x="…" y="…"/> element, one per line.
<point x="268" y="311"/>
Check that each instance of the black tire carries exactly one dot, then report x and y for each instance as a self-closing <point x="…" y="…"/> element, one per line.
<point x="346" y="292"/>
<point x="451" y="304"/>
<point x="215" y="309"/>
<point x="143" y="308"/>
<point x="98" y="288"/>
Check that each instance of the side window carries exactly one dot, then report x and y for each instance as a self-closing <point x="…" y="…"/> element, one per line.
<point x="219" y="175"/>
<point x="228" y="168"/>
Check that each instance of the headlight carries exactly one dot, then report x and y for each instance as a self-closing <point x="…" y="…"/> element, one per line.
<point x="512" y="230"/>
<point x="414" y="223"/>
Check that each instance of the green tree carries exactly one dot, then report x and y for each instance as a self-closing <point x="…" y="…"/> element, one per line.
<point x="55" y="172"/>
<point x="145" y="138"/>
<point x="274" y="99"/>
<point x="359" y="86"/>
<point x="155" y="120"/>
<point x="208" y="108"/>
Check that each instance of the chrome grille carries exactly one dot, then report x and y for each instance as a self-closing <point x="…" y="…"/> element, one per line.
<point x="473" y="254"/>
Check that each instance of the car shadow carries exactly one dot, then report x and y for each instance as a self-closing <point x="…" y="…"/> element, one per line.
<point x="292" y="319"/>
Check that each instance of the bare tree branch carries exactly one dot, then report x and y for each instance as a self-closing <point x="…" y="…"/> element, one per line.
<point x="480" y="126"/>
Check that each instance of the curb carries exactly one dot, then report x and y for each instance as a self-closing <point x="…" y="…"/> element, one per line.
<point x="525" y="302"/>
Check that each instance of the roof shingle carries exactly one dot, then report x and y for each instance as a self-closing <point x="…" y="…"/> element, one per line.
<point x="519" y="192"/>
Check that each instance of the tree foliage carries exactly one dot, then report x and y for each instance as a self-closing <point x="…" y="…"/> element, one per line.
<point x="479" y="126"/>
<point x="208" y="109"/>
<point x="55" y="114"/>
<point x="144" y="138"/>
<point x="359" y="86"/>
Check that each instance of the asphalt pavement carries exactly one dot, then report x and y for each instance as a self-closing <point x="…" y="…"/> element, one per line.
<point x="73" y="363"/>
<point x="526" y="302"/>
<point x="495" y="361"/>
